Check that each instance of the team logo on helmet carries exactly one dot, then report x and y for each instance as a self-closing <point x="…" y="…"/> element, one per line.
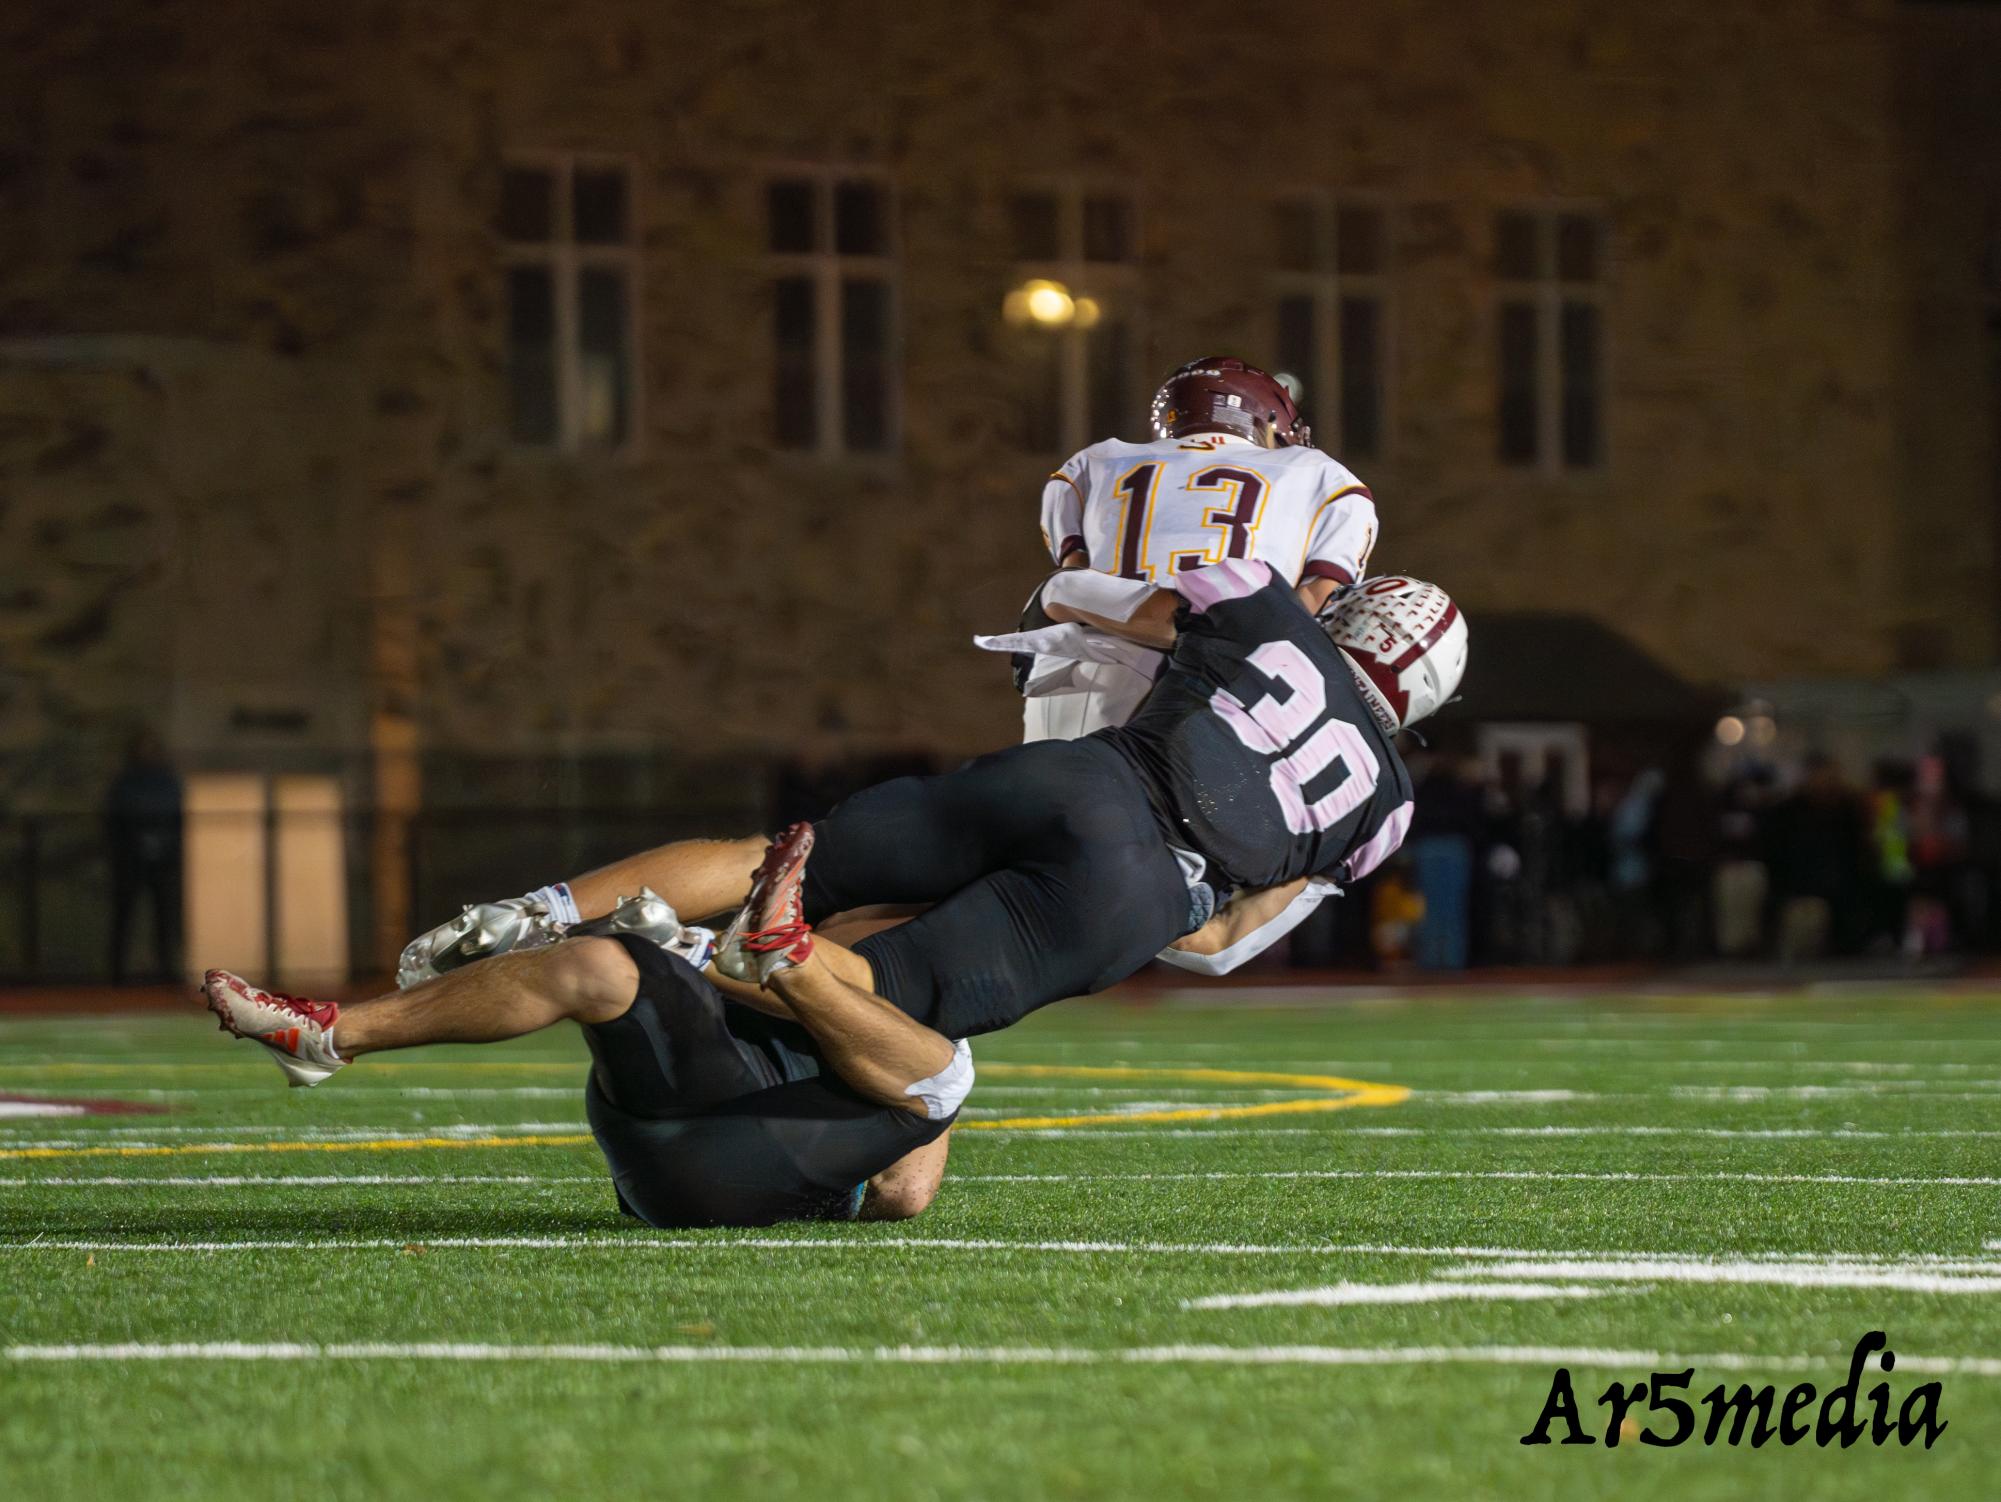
<point x="1406" y="642"/>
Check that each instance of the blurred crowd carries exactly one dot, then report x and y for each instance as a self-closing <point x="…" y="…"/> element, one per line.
<point x="1758" y="866"/>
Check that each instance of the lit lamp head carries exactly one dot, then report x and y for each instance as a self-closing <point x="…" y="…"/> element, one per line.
<point x="1043" y="303"/>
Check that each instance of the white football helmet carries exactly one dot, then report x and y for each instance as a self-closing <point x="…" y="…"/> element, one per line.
<point x="1406" y="641"/>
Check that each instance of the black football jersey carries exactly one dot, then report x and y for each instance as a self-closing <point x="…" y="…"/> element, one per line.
<point x="1256" y="744"/>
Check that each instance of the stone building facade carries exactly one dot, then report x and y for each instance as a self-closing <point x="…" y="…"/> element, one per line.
<point x="262" y="479"/>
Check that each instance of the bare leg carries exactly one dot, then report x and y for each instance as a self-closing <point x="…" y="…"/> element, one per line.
<point x="590" y="980"/>
<point x="870" y="1042"/>
<point x="699" y="878"/>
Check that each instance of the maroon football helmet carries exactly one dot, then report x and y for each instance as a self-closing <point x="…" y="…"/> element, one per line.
<point x="1219" y="394"/>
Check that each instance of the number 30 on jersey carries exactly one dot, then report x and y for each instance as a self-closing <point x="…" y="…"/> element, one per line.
<point x="1278" y="727"/>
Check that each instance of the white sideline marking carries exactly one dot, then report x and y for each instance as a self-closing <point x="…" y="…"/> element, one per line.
<point x="1399" y="1293"/>
<point x="1219" y="1355"/>
<point x="654" y="1243"/>
<point x="1535" y="1174"/>
<point x="1783" y="1274"/>
<point x="40" y="1108"/>
<point x="304" y="1180"/>
<point x="1497" y="1097"/>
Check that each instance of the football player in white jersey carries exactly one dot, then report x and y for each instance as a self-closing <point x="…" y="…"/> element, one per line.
<point x="1231" y="473"/>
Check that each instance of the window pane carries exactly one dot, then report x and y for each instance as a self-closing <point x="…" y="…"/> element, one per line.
<point x="1517" y="256"/>
<point x="865" y="365"/>
<point x="1299" y="350"/>
<point x="1036" y="227"/>
<point x="604" y="357"/>
<point x="790" y="205"/>
<point x="597" y="206"/>
<point x="1359" y="240"/>
<point x="1361" y="376"/>
<point x="1108" y="234"/>
<point x="1583" y="444"/>
<point x="1295" y="238"/>
<point x="527" y="205"/>
<point x="861" y="221"/>
<point x="1517" y="405"/>
<point x="1039" y="362"/>
<point x="1577" y="248"/>
<point x="531" y="354"/>
<point x="1108" y="357"/>
<point x="795" y="416"/>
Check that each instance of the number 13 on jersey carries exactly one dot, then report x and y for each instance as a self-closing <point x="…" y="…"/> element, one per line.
<point x="1233" y="519"/>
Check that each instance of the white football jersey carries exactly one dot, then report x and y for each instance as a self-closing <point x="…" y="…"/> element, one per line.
<point x="1147" y="511"/>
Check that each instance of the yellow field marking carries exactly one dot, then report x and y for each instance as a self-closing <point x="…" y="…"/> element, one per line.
<point x="1342" y="1094"/>
<point x="1349" y="1094"/>
<point x="378" y="1145"/>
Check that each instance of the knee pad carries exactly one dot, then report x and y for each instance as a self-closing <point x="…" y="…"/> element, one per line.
<point x="944" y="1092"/>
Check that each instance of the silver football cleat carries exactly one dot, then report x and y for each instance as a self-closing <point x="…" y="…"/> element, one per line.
<point x="481" y="931"/>
<point x="649" y="917"/>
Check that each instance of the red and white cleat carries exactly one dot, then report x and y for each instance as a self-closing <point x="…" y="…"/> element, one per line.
<point x="298" y="1032"/>
<point x="771" y="933"/>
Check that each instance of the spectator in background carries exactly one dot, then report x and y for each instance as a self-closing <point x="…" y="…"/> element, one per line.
<point x="143" y="825"/>
<point x="1940" y="839"/>
<point x="1743" y="878"/>
<point x="1629" y="838"/>
<point x="1817" y="852"/>
<point x="1443" y="834"/>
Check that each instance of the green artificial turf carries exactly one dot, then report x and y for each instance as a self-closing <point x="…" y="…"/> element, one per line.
<point x="1592" y="1127"/>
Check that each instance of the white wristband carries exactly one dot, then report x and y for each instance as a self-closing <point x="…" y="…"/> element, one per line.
<point x="944" y="1092"/>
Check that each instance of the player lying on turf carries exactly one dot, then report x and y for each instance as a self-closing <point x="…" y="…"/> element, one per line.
<point x="1263" y="757"/>
<point x="707" y="1113"/>
<point x="1231" y="472"/>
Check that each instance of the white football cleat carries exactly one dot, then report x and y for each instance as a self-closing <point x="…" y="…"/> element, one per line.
<point x="298" y="1032"/>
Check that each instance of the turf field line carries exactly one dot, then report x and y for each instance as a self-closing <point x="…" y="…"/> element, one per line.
<point x="317" y="1134"/>
<point x="1534" y="1174"/>
<point x="642" y="1242"/>
<point x="1779" y="1274"/>
<point x="378" y="1144"/>
<point x="1348" y="1294"/>
<point x="293" y="1181"/>
<point x="1211" y="1355"/>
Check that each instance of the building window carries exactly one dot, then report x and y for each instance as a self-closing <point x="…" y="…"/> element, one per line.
<point x="1550" y="392"/>
<point x="567" y="224"/>
<point x="831" y="238"/>
<point x="1073" y="313"/>
<point x="1330" y="318"/>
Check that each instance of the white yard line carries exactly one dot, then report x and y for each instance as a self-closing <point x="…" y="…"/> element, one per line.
<point x="1780" y="1274"/>
<point x="296" y="1181"/>
<point x="1531" y="1174"/>
<point x="1343" y="1294"/>
<point x="1640" y="1361"/>
<point x="880" y="1244"/>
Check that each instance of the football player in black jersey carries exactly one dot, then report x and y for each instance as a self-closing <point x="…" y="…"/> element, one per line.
<point x="1263" y="758"/>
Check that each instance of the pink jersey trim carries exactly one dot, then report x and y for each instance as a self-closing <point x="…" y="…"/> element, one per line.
<point x="1214" y="583"/>
<point x="1383" y="845"/>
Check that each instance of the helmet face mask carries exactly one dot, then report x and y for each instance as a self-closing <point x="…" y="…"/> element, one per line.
<point x="1222" y="394"/>
<point x="1405" y="642"/>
